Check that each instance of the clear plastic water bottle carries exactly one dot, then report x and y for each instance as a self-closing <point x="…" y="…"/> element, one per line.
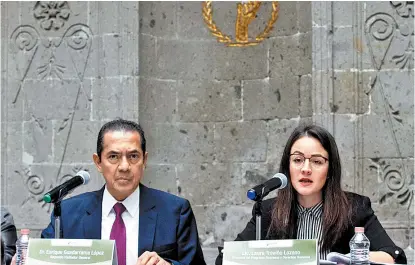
<point x="21" y="247"/>
<point x="359" y="247"/>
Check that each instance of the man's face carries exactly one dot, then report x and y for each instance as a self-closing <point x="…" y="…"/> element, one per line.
<point x="122" y="162"/>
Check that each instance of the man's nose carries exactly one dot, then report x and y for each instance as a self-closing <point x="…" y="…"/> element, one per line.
<point x="124" y="164"/>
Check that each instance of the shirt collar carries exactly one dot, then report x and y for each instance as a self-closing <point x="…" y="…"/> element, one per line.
<point x="316" y="210"/>
<point x="131" y="203"/>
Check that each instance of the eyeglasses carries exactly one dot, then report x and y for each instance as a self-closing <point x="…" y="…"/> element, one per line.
<point x="316" y="161"/>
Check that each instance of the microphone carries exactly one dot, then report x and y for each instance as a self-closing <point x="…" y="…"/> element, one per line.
<point x="278" y="181"/>
<point x="57" y="193"/>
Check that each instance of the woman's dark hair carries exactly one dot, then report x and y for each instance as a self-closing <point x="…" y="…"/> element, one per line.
<point x="336" y="210"/>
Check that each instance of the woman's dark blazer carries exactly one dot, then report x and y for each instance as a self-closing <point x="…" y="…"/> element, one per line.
<point x="363" y="216"/>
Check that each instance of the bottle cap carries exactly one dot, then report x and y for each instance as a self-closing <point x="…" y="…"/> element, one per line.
<point x="24" y="231"/>
<point x="359" y="229"/>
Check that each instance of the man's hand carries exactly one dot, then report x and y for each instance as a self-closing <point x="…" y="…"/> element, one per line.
<point x="151" y="258"/>
<point x="13" y="262"/>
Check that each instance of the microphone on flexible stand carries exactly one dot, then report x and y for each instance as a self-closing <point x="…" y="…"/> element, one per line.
<point x="278" y="181"/>
<point x="58" y="193"/>
<point x="257" y="193"/>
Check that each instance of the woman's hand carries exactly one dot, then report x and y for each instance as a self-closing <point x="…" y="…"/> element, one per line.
<point x="380" y="256"/>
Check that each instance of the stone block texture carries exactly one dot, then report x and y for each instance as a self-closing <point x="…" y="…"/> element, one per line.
<point x="61" y="78"/>
<point x="363" y="86"/>
<point x="216" y="118"/>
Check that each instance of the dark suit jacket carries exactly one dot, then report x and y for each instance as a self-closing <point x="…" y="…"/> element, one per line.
<point x="363" y="216"/>
<point x="166" y="224"/>
<point x="8" y="235"/>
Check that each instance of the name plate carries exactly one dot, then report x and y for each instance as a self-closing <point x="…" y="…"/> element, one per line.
<point x="71" y="251"/>
<point x="270" y="252"/>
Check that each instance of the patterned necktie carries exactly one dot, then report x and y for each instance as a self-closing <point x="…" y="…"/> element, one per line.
<point x="118" y="233"/>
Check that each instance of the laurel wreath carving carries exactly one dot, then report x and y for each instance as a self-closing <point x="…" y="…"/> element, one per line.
<point x="271" y="21"/>
<point x="223" y="38"/>
<point x="208" y="17"/>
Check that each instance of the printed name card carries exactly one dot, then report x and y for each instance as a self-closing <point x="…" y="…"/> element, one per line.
<point x="71" y="251"/>
<point x="270" y="252"/>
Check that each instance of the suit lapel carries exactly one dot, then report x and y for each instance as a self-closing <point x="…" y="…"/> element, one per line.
<point x="93" y="217"/>
<point x="148" y="220"/>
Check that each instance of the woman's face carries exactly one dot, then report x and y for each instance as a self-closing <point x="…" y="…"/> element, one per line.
<point x="308" y="169"/>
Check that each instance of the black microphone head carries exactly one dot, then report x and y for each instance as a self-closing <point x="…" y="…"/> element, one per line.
<point x="84" y="175"/>
<point x="57" y="193"/>
<point x="283" y="178"/>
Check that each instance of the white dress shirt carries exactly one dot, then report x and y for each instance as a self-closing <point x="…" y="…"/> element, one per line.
<point x="130" y="217"/>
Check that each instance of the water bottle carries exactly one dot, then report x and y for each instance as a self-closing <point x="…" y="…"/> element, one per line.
<point x="359" y="247"/>
<point x="21" y="247"/>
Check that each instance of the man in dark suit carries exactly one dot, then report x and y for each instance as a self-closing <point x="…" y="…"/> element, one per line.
<point x="8" y="236"/>
<point x="161" y="226"/>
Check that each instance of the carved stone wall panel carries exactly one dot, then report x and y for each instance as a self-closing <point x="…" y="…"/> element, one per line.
<point x="386" y="137"/>
<point x="53" y="60"/>
<point x="25" y="192"/>
<point x="395" y="49"/>
<point x="363" y="84"/>
<point x="67" y="149"/>
<point x="387" y="90"/>
<point x="12" y="144"/>
<point x="70" y="98"/>
<point x="389" y="182"/>
<point x="37" y="143"/>
<point x="401" y="11"/>
<point x="389" y="35"/>
<point x="403" y="237"/>
<point x="52" y="18"/>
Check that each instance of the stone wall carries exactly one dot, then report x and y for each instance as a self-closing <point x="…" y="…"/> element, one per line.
<point x="363" y="80"/>
<point x="216" y="118"/>
<point x="66" y="69"/>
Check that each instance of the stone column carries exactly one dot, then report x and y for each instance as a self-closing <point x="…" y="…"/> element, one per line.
<point x="363" y="83"/>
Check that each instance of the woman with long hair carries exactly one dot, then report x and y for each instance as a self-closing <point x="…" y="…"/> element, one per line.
<point x="314" y="206"/>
